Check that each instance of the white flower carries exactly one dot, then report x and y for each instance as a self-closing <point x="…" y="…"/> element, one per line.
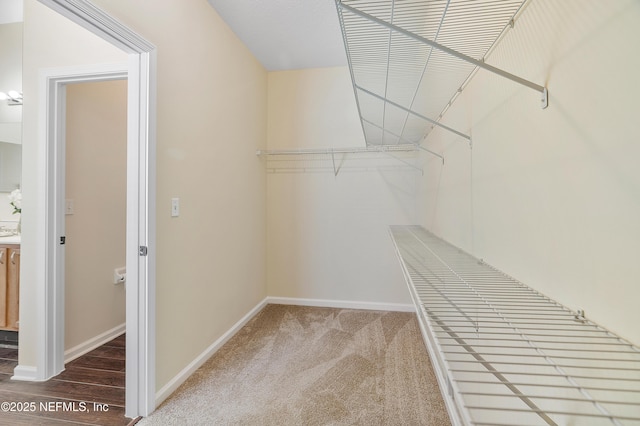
<point x="15" y="199"/>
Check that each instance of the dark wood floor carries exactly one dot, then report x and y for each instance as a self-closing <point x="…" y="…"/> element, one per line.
<point x="89" y="392"/>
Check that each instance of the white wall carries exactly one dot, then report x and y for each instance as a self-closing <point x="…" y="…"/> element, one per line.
<point x="96" y="181"/>
<point x="552" y="197"/>
<point x="328" y="235"/>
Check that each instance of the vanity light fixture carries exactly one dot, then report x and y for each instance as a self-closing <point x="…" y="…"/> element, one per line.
<point x="12" y="97"/>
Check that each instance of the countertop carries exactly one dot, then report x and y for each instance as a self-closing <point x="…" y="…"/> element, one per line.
<point x="10" y="239"/>
<point x="8" y="232"/>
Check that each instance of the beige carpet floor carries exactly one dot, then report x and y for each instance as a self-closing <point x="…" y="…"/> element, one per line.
<point x="293" y="365"/>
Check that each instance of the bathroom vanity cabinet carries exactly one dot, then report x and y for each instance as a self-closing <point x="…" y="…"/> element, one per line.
<point x="9" y="286"/>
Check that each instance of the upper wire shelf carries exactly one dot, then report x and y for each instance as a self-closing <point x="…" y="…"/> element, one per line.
<point x="409" y="58"/>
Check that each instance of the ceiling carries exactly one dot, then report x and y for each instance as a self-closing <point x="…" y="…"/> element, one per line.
<point x="287" y="34"/>
<point x="10" y="11"/>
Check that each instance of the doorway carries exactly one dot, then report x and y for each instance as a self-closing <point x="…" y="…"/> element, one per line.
<point x="95" y="214"/>
<point x="139" y="391"/>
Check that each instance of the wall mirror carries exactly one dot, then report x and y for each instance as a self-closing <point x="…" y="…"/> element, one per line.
<point x="10" y="94"/>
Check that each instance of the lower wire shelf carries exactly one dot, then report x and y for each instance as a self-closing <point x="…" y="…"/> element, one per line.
<point x="505" y="354"/>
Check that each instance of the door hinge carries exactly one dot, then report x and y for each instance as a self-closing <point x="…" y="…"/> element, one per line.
<point x="63" y="240"/>
<point x="143" y="250"/>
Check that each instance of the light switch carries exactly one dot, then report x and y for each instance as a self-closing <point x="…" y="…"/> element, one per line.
<point x="68" y="207"/>
<point x="175" y="207"/>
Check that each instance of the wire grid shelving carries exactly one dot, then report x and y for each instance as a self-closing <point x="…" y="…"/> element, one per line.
<point x="506" y="355"/>
<point x="402" y="85"/>
<point x="337" y="160"/>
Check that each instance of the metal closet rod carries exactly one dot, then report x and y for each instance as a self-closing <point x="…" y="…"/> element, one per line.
<point x="351" y="150"/>
<point x="543" y="90"/>
<point x="384" y="149"/>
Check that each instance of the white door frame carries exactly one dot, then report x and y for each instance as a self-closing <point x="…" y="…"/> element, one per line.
<point x="141" y="180"/>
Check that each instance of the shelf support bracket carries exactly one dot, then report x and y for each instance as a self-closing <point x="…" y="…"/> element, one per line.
<point x="455" y="53"/>
<point x="430" y="152"/>
<point x="412" y="112"/>
<point x="333" y="159"/>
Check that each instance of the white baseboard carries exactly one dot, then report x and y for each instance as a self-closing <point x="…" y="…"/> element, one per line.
<point x="183" y="375"/>
<point x="95" y="342"/>
<point x="30" y="374"/>
<point x="25" y="373"/>
<point x="343" y="304"/>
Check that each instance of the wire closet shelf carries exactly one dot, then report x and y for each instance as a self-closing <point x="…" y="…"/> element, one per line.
<point x="409" y="59"/>
<point x="505" y="354"/>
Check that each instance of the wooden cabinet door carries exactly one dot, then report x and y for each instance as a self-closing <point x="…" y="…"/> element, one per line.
<point x="13" y="289"/>
<point x="3" y="287"/>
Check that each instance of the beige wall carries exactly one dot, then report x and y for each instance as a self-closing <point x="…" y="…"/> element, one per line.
<point x="96" y="181"/>
<point x="211" y="261"/>
<point x="328" y="235"/>
<point x="552" y="197"/>
<point x="212" y="99"/>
